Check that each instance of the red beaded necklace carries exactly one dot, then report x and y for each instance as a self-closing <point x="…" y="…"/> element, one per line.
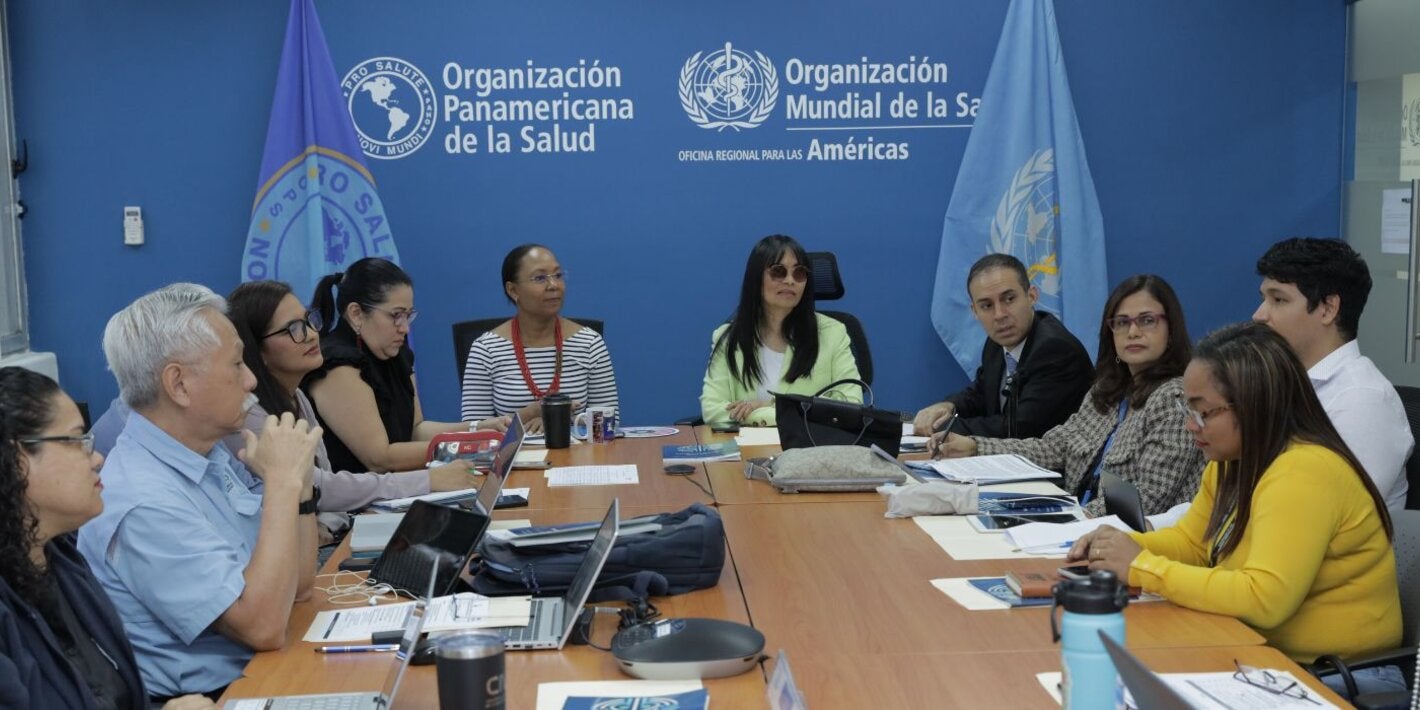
<point x="523" y="360"/>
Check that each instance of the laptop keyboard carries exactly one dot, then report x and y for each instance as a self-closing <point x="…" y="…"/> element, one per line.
<point x="345" y="701"/>
<point x="529" y="632"/>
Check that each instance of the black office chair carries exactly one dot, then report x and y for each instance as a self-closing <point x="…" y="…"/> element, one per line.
<point x="1410" y="399"/>
<point x="465" y="332"/>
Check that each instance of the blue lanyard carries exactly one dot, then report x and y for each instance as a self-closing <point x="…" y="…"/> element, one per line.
<point x="1099" y="460"/>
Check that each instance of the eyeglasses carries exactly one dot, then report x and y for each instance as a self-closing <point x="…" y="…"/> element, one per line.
<point x="545" y="279"/>
<point x="1200" y="418"/>
<point x="399" y="317"/>
<point x="85" y="441"/>
<point x="1266" y="680"/>
<point x="299" y="329"/>
<point x="1145" y="321"/>
<point x="777" y="272"/>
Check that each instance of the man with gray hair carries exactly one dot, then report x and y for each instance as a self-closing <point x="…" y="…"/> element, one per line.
<point x="202" y="553"/>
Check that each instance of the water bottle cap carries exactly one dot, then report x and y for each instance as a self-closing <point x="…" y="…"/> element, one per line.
<point x="557" y="398"/>
<point x="1100" y="593"/>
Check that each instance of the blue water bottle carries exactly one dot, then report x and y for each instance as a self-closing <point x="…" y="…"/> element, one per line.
<point x="1095" y="603"/>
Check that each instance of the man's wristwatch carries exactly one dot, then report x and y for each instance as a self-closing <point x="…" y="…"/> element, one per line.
<point x="308" y="507"/>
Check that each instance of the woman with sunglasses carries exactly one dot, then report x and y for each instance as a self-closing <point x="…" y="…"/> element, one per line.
<point x="775" y="342"/>
<point x="364" y="391"/>
<point x="281" y="345"/>
<point x="1287" y="532"/>
<point x="537" y="352"/>
<point x="62" y="644"/>
<point x="1128" y="424"/>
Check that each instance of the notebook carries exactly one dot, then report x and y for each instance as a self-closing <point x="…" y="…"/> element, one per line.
<point x="553" y="617"/>
<point x="382" y="700"/>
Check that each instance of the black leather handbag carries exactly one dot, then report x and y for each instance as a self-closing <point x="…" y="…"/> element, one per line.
<point x="819" y="421"/>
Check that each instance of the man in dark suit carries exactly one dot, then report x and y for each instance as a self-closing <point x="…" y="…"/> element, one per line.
<point x="1033" y="372"/>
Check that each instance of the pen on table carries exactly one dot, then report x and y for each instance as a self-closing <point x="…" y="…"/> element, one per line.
<point x="363" y="648"/>
<point x="947" y="427"/>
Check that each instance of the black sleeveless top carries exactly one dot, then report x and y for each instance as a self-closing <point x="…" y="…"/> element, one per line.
<point x="389" y="379"/>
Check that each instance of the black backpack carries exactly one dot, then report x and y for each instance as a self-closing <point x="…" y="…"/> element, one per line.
<point x="687" y="553"/>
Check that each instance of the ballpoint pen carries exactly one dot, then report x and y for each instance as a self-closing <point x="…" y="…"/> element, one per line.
<point x="363" y="648"/>
<point x="947" y="427"/>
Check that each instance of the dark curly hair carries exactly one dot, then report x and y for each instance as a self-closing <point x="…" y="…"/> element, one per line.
<point x="26" y="408"/>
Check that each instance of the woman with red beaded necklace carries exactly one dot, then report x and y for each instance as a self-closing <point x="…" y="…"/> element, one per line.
<point x="537" y="352"/>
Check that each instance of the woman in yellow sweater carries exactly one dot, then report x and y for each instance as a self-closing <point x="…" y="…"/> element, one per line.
<point x="1287" y="532"/>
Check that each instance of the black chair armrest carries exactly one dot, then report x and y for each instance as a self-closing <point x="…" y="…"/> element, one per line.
<point x="690" y="421"/>
<point x="1329" y="664"/>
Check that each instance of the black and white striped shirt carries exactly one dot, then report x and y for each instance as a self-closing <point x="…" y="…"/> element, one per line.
<point x="493" y="383"/>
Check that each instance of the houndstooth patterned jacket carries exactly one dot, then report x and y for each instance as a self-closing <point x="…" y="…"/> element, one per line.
<point x="1152" y="449"/>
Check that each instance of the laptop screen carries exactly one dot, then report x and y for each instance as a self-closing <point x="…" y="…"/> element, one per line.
<point x="502" y="466"/>
<point x="597" y="553"/>
<point x="430" y="532"/>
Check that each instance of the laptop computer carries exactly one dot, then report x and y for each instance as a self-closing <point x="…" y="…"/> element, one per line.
<point x="1149" y="690"/>
<point x="448" y="534"/>
<point x="374" y="531"/>
<point x="553" y="617"/>
<point x="1122" y="498"/>
<point x="413" y="627"/>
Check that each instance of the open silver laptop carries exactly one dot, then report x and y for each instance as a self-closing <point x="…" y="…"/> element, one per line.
<point x="382" y="700"/>
<point x="553" y="617"/>
<point x="1149" y="690"/>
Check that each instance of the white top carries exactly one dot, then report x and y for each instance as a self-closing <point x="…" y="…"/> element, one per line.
<point x="1367" y="412"/>
<point x="493" y="383"/>
<point x="771" y="368"/>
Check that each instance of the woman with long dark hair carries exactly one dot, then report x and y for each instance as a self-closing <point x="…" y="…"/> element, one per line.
<point x="62" y="643"/>
<point x="364" y="391"/>
<point x="1287" y="532"/>
<point x="281" y="345"/>
<point x="1129" y="423"/>
<point x="775" y="342"/>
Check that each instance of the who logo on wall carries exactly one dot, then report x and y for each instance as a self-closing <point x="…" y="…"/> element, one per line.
<point x="728" y="88"/>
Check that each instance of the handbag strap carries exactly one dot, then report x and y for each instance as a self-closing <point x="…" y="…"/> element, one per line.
<point x="804" y="407"/>
<point x="849" y="381"/>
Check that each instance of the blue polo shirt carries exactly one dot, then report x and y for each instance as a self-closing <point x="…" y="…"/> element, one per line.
<point x="176" y="534"/>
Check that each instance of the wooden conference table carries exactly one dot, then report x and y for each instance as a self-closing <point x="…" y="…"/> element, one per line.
<point x="825" y="577"/>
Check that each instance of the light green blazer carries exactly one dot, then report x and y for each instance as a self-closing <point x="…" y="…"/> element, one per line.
<point x="835" y="362"/>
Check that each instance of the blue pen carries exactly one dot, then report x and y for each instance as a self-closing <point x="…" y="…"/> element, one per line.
<point x="365" y="648"/>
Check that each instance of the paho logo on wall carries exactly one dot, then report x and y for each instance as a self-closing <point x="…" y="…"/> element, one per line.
<point x="392" y="105"/>
<point x="728" y="88"/>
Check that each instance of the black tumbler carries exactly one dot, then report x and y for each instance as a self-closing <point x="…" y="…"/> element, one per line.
<point x="557" y="420"/>
<point x="470" y="671"/>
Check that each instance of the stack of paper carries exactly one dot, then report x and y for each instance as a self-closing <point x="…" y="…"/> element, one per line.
<point x="592" y="475"/>
<point x="984" y="470"/>
<point x="1057" y="538"/>
<point x="1216" y="691"/>
<point x="757" y="436"/>
<point x="557" y="696"/>
<point x="448" y="613"/>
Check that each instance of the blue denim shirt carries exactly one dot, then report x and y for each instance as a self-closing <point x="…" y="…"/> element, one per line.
<point x="176" y="535"/>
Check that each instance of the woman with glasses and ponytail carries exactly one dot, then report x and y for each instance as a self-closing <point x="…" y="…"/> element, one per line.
<point x="281" y="345"/>
<point x="1287" y="532"/>
<point x="775" y="342"/>
<point x="1128" y="424"/>
<point x="537" y="352"/>
<point x="364" y="390"/>
<point x="62" y="644"/>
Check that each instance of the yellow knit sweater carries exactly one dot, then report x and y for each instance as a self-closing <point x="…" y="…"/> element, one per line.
<point x="1313" y="571"/>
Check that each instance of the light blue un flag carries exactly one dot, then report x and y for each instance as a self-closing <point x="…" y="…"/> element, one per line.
<point x="316" y="210"/>
<point x="1024" y="189"/>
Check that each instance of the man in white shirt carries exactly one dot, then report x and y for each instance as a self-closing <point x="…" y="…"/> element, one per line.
<point x="1313" y="292"/>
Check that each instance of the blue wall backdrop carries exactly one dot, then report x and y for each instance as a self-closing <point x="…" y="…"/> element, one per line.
<point x="1212" y="128"/>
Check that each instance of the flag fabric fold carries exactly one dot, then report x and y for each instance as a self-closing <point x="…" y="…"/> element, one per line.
<point x="1024" y="189"/>
<point x="316" y="208"/>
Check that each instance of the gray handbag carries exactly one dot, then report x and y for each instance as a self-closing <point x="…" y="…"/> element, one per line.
<point x="825" y="469"/>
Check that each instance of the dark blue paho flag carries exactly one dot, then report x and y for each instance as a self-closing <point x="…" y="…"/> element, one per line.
<point x="316" y="209"/>
<point x="1024" y="189"/>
